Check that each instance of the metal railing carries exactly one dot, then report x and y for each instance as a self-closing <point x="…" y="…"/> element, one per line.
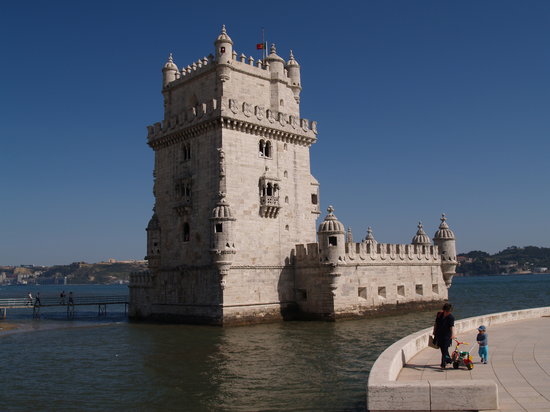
<point x="57" y="301"/>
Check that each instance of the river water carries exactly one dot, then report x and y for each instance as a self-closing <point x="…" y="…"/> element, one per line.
<point x="107" y="365"/>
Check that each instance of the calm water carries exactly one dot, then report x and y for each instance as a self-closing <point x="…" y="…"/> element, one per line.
<point x="310" y="366"/>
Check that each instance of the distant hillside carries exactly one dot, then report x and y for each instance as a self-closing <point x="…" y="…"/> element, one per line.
<point x="81" y="272"/>
<point x="529" y="259"/>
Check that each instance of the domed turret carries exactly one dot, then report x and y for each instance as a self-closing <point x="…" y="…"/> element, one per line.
<point x="221" y="220"/>
<point x="444" y="233"/>
<point x="444" y="238"/>
<point x="421" y="238"/>
<point x="153" y="242"/>
<point x="224" y="48"/>
<point x="293" y="69"/>
<point x="331" y="238"/>
<point x="370" y="240"/>
<point x="169" y="71"/>
<point x="276" y="63"/>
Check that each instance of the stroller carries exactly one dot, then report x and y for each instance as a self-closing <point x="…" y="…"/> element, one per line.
<point x="460" y="357"/>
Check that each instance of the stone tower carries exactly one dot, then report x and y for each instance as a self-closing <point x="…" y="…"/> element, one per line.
<point x="232" y="238"/>
<point x="233" y="190"/>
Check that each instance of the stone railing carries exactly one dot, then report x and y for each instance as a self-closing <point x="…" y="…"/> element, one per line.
<point x="385" y="393"/>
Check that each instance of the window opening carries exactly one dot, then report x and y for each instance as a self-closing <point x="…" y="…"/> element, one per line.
<point x="219" y="227"/>
<point x="186" y="232"/>
<point x="332" y="241"/>
<point x="314" y="198"/>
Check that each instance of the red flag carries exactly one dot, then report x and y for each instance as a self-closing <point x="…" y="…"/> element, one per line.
<point x="260" y="46"/>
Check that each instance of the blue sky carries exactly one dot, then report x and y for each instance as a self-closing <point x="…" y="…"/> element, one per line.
<point x="423" y="107"/>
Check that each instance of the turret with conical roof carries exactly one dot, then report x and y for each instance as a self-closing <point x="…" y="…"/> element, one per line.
<point x="221" y="220"/>
<point x="224" y="54"/>
<point x="369" y="239"/>
<point x="169" y="71"/>
<point x="444" y="238"/>
<point x="421" y="238"/>
<point x="293" y="69"/>
<point x="276" y="63"/>
<point x="332" y="238"/>
<point x="153" y="242"/>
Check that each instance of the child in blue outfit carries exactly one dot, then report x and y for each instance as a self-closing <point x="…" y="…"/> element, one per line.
<point x="483" y="343"/>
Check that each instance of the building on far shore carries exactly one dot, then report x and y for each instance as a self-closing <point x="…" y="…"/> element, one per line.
<point x="233" y="235"/>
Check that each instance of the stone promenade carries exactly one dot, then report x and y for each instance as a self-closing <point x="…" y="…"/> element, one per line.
<point x="519" y="362"/>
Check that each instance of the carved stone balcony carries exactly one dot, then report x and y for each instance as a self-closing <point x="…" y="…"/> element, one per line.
<point x="269" y="206"/>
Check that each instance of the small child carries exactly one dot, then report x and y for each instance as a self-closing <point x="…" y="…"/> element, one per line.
<point x="483" y="343"/>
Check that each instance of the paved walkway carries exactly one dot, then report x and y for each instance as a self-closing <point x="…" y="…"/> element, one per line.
<point x="519" y="362"/>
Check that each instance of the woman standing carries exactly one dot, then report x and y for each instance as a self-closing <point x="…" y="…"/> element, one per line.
<point x="444" y="332"/>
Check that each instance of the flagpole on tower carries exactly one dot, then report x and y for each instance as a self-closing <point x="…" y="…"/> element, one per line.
<point x="264" y="45"/>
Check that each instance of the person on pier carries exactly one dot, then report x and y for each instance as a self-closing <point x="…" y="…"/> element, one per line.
<point x="444" y="332"/>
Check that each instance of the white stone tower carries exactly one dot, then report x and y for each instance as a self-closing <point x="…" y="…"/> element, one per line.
<point x="233" y="190"/>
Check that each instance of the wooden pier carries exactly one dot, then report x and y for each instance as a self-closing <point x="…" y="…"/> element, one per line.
<point x="68" y="302"/>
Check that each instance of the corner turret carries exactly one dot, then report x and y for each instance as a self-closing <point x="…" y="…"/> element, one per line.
<point x="293" y="69"/>
<point x="421" y="238"/>
<point x="444" y="238"/>
<point x="370" y="240"/>
<point x="169" y="71"/>
<point x="221" y="223"/>
<point x="276" y="63"/>
<point x="224" y="54"/>
<point x="331" y="239"/>
<point x="153" y="242"/>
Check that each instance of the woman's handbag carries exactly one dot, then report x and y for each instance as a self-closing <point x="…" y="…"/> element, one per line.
<point x="432" y="343"/>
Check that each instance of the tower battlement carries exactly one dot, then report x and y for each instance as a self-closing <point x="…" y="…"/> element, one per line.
<point x="388" y="252"/>
<point x="247" y="64"/>
<point x="238" y="115"/>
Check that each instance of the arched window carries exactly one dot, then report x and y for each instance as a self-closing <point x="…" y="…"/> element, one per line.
<point x="186" y="232"/>
<point x="186" y="151"/>
<point x="265" y="148"/>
